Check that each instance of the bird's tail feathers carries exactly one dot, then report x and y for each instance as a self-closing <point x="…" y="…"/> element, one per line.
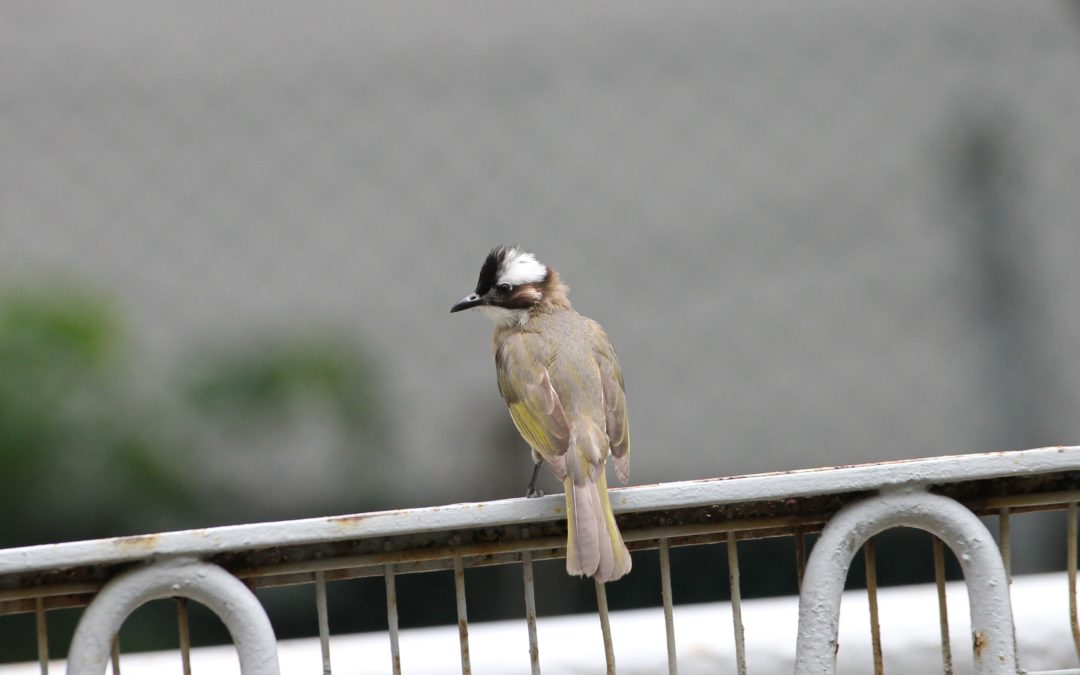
<point x="594" y="545"/>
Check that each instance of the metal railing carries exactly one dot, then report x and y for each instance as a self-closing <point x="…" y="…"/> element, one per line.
<point x="222" y="567"/>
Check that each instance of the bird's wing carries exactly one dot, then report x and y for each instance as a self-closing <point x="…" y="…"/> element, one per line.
<point x="618" y="427"/>
<point x="525" y="384"/>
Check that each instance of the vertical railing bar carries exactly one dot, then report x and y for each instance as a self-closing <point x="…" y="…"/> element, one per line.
<point x="392" y="618"/>
<point x="736" y="603"/>
<point x="871" y="592"/>
<point x="42" y="635"/>
<point x="324" y="620"/>
<point x="943" y="608"/>
<point x="669" y="615"/>
<point x="605" y="626"/>
<point x="530" y="611"/>
<point x="800" y="555"/>
<point x="184" y="629"/>
<point x="1071" y="555"/>
<point x="1005" y="545"/>
<point x="462" y="615"/>
<point x="116" y="654"/>
<point x="1005" y="541"/>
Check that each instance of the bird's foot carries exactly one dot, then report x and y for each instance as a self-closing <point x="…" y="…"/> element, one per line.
<point x="533" y="492"/>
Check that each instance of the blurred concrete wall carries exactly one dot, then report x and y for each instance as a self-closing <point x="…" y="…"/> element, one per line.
<point x="817" y="234"/>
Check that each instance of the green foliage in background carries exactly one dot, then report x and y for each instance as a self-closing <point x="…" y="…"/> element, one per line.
<point x="249" y="382"/>
<point x="86" y="451"/>
<point x="76" y="451"/>
<point x="92" y="446"/>
<point x="291" y="419"/>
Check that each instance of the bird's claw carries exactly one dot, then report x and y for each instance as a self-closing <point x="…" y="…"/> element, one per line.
<point x="533" y="493"/>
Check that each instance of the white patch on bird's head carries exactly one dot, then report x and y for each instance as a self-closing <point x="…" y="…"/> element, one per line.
<point x="519" y="267"/>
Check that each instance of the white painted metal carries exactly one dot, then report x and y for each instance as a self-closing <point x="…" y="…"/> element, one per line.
<point x="324" y="621"/>
<point x="768" y="486"/>
<point x="901" y="499"/>
<point x="800" y="555"/>
<point x="943" y="606"/>
<point x="706" y="643"/>
<point x="1070" y="566"/>
<point x="819" y="603"/>
<point x="870" y="555"/>
<point x="736" y="605"/>
<point x="392" y="618"/>
<point x="462" y="615"/>
<point x="668" y="601"/>
<point x="235" y="605"/>
<point x="183" y="624"/>
<point x="114" y="655"/>
<point x="605" y="627"/>
<point x="1005" y="539"/>
<point x="530" y="611"/>
<point x="42" y="636"/>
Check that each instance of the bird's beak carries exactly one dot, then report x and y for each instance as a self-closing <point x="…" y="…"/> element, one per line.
<point x="469" y="301"/>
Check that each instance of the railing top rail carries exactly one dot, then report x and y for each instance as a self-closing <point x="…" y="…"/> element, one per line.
<point x="788" y="485"/>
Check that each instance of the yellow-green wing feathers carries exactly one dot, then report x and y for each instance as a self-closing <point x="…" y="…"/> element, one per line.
<point x="617" y="425"/>
<point x="522" y="362"/>
<point x="534" y="404"/>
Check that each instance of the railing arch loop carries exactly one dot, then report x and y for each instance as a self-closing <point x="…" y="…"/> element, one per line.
<point x="208" y="584"/>
<point x="993" y="637"/>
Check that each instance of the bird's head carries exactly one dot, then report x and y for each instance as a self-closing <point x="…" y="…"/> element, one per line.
<point x="512" y="284"/>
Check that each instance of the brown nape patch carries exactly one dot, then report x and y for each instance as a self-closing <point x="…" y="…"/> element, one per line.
<point x="554" y="291"/>
<point x="525" y="296"/>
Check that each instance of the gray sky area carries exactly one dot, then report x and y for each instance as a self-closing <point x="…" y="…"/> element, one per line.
<point x="817" y="233"/>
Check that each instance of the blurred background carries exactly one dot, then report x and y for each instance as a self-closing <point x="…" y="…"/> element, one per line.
<point x="230" y="236"/>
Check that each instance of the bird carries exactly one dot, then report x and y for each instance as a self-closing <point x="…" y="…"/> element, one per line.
<point x="559" y="375"/>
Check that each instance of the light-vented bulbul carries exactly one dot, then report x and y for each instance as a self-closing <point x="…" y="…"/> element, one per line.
<point x="558" y="373"/>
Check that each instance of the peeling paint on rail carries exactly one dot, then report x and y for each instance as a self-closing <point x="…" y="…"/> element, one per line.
<point x="714" y="491"/>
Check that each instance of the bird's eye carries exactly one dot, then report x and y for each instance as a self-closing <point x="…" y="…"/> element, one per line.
<point x="504" y="288"/>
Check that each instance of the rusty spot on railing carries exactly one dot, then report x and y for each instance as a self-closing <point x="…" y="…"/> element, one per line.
<point x="979" y="640"/>
<point x="138" y="541"/>
<point x="348" y="521"/>
<point x="534" y="649"/>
